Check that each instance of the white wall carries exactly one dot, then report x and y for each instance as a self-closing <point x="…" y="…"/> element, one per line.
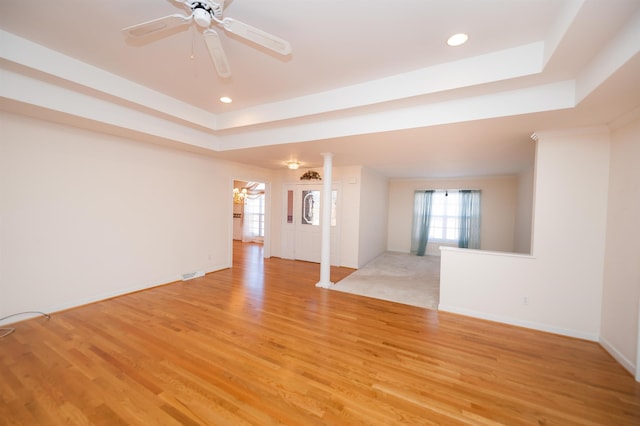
<point x="621" y="293"/>
<point x="498" y="204"/>
<point x="562" y="280"/>
<point x="278" y="212"/>
<point x="350" y="179"/>
<point x="374" y="202"/>
<point x="85" y="216"/>
<point x="524" y="212"/>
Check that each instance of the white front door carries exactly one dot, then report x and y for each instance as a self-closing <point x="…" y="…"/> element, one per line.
<point x="303" y="223"/>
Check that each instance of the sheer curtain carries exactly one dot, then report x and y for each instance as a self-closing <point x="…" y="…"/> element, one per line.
<point x="421" y="219"/>
<point x="469" y="219"/>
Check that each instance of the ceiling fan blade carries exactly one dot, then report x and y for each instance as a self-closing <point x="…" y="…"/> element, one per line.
<point x="257" y="36"/>
<point x="160" y="24"/>
<point x="219" y="58"/>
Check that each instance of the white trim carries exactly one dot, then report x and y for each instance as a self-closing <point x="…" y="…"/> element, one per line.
<point x="622" y="360"/>
<point x="519" y="323"/>
<point x="637" y="375"/>
<point x="489" y="252"/>
<point x="100" y="297"/>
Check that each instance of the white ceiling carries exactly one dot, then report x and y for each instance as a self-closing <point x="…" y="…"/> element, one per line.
<point x="371" y="81"/>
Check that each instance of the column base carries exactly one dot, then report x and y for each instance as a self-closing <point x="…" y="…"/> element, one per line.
<point x="324" y="284"/>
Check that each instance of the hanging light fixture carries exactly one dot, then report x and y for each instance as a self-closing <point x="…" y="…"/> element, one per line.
<point x="239" y="195"/>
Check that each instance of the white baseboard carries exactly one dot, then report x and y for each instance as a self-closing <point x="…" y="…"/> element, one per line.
<point x="520" y="323"/>
<point x="81" y="301"/>
<point x="627" y="364"/>
<point x="99" y="297"/>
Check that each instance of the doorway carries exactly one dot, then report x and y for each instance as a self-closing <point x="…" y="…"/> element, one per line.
<point x="249" y="211"/>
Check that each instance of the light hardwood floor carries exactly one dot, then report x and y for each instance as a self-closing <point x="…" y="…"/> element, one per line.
<point x="260" y="344"/>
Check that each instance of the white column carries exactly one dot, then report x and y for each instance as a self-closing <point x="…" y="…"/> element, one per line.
<point x="325" y="259"/>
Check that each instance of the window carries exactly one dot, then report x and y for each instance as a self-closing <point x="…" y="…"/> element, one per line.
<point x="253" y="223"/>
<point x="290" y="206"/>
<point x="311" y="208"/>
<point x="254" y="215"/>
<point x="445" y="217"/>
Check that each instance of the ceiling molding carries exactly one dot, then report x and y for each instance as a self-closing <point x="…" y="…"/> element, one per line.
<point x="515" y="62"/>
<point x="624" y="46"/>
<point x="55" y="97"/>
<point x="55" y="66"/>
<point x="549" y="97"/>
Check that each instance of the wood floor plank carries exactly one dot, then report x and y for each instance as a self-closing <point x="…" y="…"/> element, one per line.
<point x="260" y="344"/>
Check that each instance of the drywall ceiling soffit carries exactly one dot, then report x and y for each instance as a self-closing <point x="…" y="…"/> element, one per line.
<point x="334" y="87"/>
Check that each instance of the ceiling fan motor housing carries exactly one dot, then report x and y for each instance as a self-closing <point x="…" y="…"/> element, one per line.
<point x="205" y="11"/>
<point x="202" y="17"/>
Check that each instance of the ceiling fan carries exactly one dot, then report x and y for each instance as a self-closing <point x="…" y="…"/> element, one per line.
<point x="204" y="13"/>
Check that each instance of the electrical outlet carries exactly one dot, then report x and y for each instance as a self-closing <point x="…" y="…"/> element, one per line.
<point x="525" y="300"/>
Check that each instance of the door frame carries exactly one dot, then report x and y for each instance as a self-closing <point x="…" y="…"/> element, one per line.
<point x="266" y="247"/>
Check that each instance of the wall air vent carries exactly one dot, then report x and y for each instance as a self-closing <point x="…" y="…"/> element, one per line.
<point x="192" y="275"/>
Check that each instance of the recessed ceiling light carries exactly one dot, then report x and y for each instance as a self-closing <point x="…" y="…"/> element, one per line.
<point x="457" y="39"/>
<point x="226" y="100"/>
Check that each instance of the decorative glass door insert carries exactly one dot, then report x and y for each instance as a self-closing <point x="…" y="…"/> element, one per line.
<point x="310" y="208"/>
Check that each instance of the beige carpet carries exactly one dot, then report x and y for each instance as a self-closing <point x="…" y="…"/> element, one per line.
<point x="397" y="277"/>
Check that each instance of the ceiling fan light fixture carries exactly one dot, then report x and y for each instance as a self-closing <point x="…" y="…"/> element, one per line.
<point x="457" y="39"/>
<point x="202" y="18"/>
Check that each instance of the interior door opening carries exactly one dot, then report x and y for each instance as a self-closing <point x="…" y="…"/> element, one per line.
<point x="249" y="211"/>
